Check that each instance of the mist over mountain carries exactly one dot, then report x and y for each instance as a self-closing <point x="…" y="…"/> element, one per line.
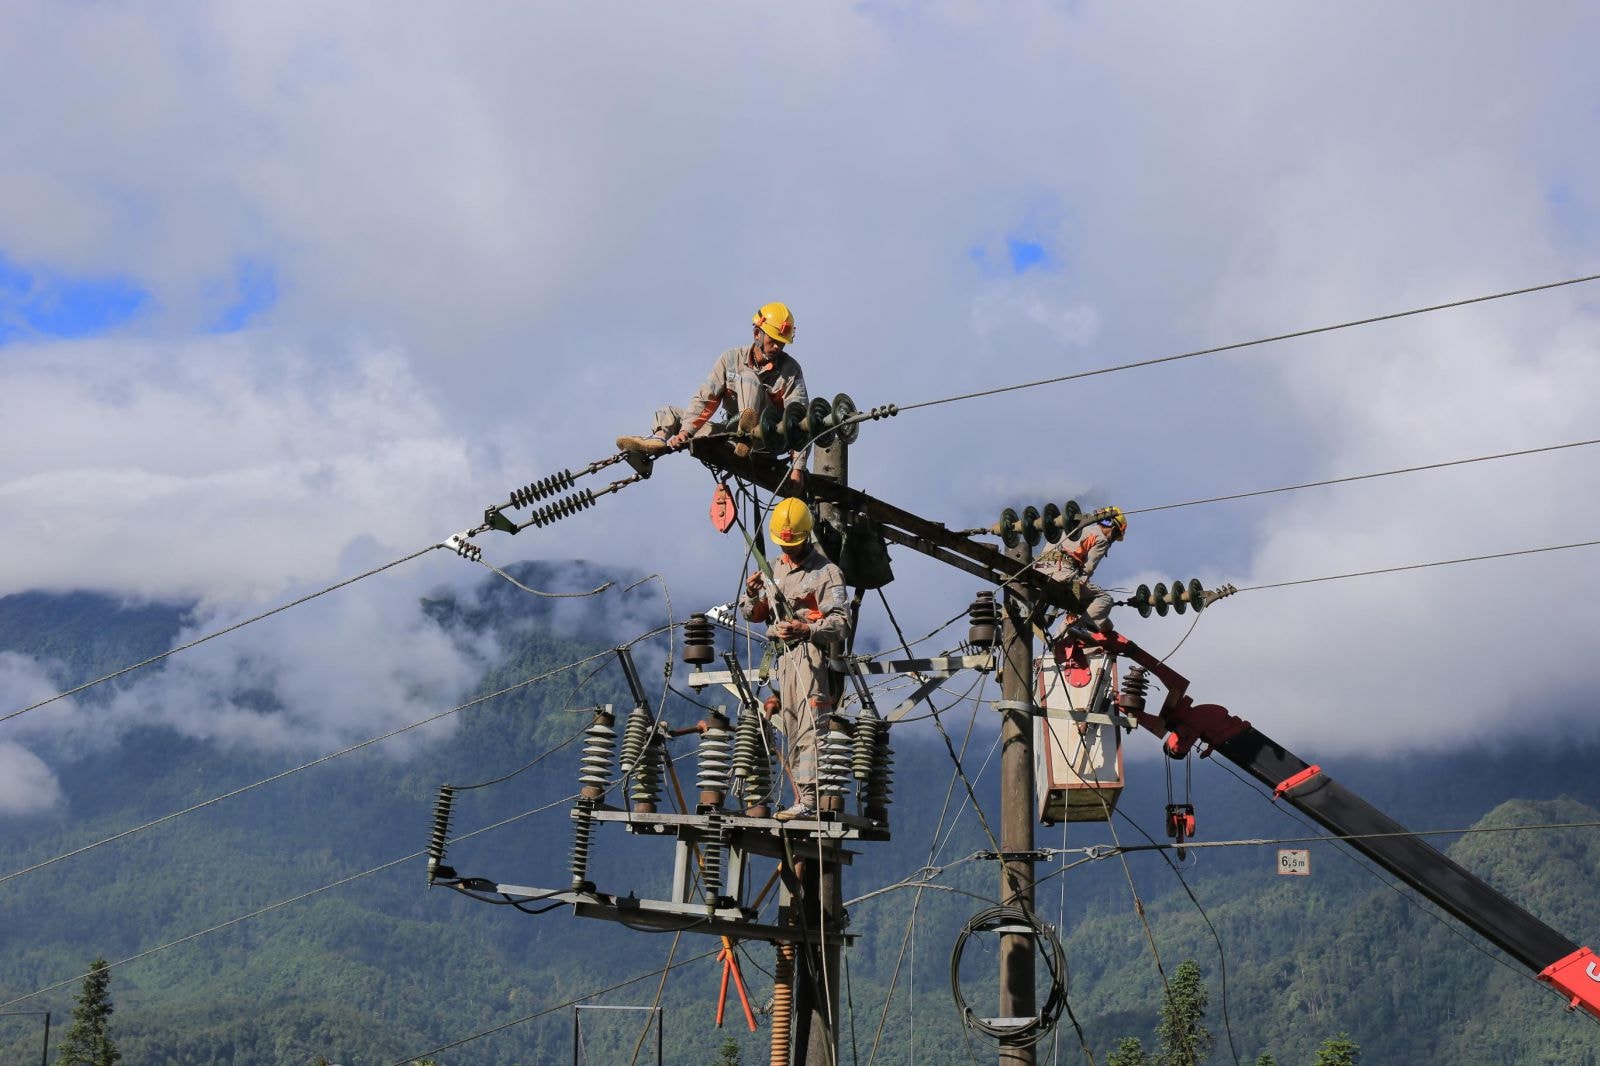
<point x="381" y="967"/>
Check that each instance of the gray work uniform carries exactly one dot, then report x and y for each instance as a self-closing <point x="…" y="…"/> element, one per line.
<point x="1076" y="557"/>
<point x="814" y="590"/>
<point x="736" y="384"/>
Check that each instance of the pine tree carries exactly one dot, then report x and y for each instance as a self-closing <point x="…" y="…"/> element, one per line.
<point x="1184" y="1040"/>
<point x="88" y="1040"/>
<point x="1266" y="1059"/>
<point x="729" y="1054"/>
<point x="1338" y="1051"/>
<point x="1129" y="1052"/>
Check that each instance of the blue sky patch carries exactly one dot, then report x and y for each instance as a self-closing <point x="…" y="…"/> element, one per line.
<point x="1026" y="254"/>
<point x="44" y="304"/>
<point x="1012" y="256"/>
<point x="255" y="288"/>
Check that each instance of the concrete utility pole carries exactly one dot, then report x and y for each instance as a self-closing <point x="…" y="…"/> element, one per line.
<point x="1017" y="995"/>
<point x="823" y="1049"/>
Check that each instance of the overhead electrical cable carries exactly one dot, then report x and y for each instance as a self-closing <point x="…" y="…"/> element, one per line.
<point x="1417" y="566"/>
<point x="1361" y="477"/>
<point x="1452" y="927"/>
<point x="1242" y="344"/>
<point x="412" y="1059"/>
<point x="319" y="761"/>
<point x="286" y="902"/>
<point x="219" y="633"/>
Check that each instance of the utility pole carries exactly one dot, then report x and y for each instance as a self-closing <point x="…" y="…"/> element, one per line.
<point x="1017" y="994"/>
<point x="832" y="461"/>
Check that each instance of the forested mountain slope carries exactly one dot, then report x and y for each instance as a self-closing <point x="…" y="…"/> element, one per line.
<point x="380" y="968"/>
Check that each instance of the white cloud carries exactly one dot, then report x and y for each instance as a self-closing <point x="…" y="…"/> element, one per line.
<point x="27" y="785"/>
<point x="502" y="240"/>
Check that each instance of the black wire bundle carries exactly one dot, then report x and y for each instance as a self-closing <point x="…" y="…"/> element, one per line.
<point x="1026" y="1035"/>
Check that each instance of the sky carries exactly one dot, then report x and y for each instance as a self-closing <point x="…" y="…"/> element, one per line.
<point x="288" y="292"/>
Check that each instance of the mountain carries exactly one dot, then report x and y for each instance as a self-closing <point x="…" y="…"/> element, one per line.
<point x="380" y="967"/>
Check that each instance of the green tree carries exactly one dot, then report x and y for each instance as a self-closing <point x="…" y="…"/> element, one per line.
<point x="1266" y="1059"/>
<point x="729" y="1053"/>
<point x="88" y="1040"/>
<point x="1129" y="1052"/>
<point x="1338" y="1051"/>
<point x="1185" y="1041"/>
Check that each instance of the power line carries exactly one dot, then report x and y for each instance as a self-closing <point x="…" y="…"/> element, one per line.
<point x="1247" y="344"/>
<point x="218" y="633"/>
<point x="318" y="761"/>
<point x="285" y="902"/>
<point x="1360" y="477"/>
<point x="559" y="1006"/>
<point x="1417" y="566"/>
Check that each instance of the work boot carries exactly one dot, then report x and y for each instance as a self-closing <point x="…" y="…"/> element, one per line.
<point x="801" y="810"/>
<point x="644" y="445"/>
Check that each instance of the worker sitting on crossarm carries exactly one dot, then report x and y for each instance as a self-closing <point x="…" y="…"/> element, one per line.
<point x="806" y="607"/>
<point x="751" y="378"/>
<point x="1076" y="556"/>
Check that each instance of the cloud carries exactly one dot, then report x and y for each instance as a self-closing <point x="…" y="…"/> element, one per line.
<point x="27" y="785"/>
<point x="496" y="243"/>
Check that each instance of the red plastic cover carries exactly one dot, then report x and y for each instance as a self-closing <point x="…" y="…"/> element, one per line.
<point x="1578" y="978"/>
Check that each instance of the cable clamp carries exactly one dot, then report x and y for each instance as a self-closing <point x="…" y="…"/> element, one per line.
<point x="1027" y="707"/>
<point x="464" y="547"/>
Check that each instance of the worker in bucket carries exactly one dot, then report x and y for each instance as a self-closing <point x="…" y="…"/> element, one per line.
<point x="1077" y="554"/>
<point x="806" y="608"/>
<point x="744" y="379"/>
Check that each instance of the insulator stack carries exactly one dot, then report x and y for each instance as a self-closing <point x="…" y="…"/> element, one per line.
<point x="647" y="778"/>
<point x="716" y="760"/>
<point x="634" y="738"/>
<point x="1135" y="685"/>
<point x="538" y="490"/>
<point x="582" y="834"/>
<point x="1050" y="523"/>
<point x="711" y="858"/>
<point x="782" y="1004"/>
<point x="599" y="749"/>
<point x="1180" y="597"/>
<point x="865" y="744"/>
<point x="699" y="641"/>
<point x="752" y="765"/>
<point x="880" y="785"/>
<point x="562" y="508"/>
<point x="439" y="837"/>
<point x="983" y="616"/>
<point x="833" y="766"/>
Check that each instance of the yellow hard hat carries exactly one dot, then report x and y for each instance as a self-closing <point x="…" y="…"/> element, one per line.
<point x="776" y="321"/>
<point x="790" y="523"/>
<point x="1113" y="517"/>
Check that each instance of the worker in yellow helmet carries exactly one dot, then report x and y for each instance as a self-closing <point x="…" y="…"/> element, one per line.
<point x="752" y="377"/>
<point x="1079" y="553"/>
<point x="806" y="606"/>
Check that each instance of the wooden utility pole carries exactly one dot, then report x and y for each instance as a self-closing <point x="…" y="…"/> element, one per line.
<point x="1017" y="994"/>
<point x="827" y="906"/>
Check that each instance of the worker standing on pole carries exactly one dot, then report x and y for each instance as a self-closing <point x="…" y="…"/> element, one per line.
<point x="806" y="607"/>
<point x="750" y="378"/>
<point x="1077" y="555"/>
